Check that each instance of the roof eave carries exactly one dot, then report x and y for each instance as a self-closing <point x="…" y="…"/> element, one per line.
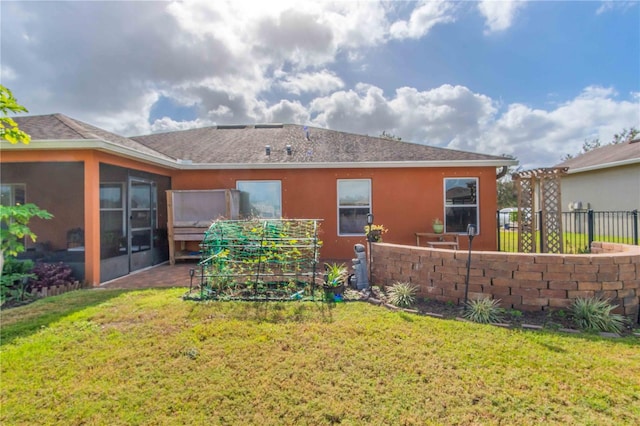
<point x="97" y="144"/>
<point x="346" y="165"/>
<point x="180" y="164"/>
<point x="627" y="162"/>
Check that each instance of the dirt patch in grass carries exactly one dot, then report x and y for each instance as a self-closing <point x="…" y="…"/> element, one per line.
<point x="512" y="317"/>
<point x="553" y="320"/>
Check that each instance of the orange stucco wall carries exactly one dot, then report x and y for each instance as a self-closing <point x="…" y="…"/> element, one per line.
<point x="403" y="200"/>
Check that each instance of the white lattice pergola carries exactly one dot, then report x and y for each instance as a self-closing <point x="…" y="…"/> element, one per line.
<point x="545" y="184"/>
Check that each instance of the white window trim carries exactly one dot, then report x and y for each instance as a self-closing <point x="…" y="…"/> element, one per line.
<point x="339" y="206"/>
<point x="476" y="205"/>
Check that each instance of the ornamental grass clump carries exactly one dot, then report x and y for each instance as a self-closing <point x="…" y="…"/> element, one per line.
<point x="483" y="311"/>
<point x="402" y="294"/>
<point x="594" y="314"/>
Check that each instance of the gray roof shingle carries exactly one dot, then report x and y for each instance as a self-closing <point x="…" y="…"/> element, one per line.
<point x="605" y="155"/>
<point x="57" y="127"/>
<point x="246" y="144"/>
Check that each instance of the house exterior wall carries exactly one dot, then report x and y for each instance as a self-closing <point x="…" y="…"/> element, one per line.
<point x="403" y="200"/>
<point x="523" y="281"/>
<point x="614" y="189"/>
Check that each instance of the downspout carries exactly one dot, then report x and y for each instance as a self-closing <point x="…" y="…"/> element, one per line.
<point x="502" y="172"/>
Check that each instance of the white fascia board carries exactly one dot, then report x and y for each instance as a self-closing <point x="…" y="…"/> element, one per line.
<point x="347" y="165"/>
<point x="97" y="144"/>
<point x="627" y="162"/>
<point x="69" y="144"/>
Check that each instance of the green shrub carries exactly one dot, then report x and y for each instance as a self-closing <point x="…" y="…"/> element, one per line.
<point x="594" y="314"/>
<point x="402" y="294"/>
<point x="484" y="311"/>
<point x="14" y="280"/>
<point x="336" y="274"/>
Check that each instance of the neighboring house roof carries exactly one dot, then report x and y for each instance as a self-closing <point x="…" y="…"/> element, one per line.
<point x="612" y="155"/>
<point x="244" y="146"/>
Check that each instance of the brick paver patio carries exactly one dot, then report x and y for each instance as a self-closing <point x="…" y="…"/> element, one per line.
<point x="163" y="275"/>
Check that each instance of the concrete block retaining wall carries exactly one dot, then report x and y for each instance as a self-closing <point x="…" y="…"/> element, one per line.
<point x="527" y="282"/>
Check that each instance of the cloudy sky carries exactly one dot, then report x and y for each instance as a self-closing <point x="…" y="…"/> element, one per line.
<point x="529" y="79"/>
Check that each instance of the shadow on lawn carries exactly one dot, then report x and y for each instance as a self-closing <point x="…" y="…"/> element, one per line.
<point x="22" y="321"/>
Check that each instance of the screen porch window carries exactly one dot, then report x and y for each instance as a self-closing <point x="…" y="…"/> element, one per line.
<point x="112" y="220"/>
<point x="461" y="204"/>
<point x="12" y="194"/>
<point x="354" y="203"/>
<point x="260" y="198"/>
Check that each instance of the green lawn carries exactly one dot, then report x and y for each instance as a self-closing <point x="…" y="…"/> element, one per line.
<point x="573" y="243"/>
<point x="148" y="357"/>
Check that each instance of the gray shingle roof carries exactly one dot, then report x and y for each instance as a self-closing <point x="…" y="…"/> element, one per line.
<point x="604" y="156"/>
<point x="246" y="144"/>
<point x="59" y="127"/>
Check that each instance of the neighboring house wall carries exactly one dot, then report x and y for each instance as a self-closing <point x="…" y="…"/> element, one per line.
<point x="603" y="190"/>
<point x="405" y="201"/>
<point x="527" y="282"/>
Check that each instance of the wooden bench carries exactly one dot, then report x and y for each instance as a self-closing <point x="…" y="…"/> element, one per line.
<point x="433" y="240"/>
<point x="183" y="234"/>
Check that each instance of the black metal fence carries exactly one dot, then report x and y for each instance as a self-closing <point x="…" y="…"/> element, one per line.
<point x="580" y="228"/>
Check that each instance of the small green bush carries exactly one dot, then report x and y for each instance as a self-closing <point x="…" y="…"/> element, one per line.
<point x="14" y="279"/>
<point x="594" y="314"/>
<point x="402" y="294"/>
<point x="483" y="311"/>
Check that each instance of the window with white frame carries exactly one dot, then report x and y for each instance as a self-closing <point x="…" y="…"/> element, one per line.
<point x="461" y="204"/>
<point x="354" y="203"/>
<point x="260" y="198"/>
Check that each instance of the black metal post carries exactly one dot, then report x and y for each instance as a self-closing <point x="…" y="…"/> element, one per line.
<point x="635" y="226"/>
<point x="370" y="225"/>
<point x="471" y="232"/>
<point x="591" y="224"/>
<point x="499" y="228"/>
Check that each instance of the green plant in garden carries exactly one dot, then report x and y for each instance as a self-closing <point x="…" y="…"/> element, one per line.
<point x="594" y="314"/>
<point x="402" y="294"/>
<point x="14" y="220"/>
<point x="14" y="280"/>
<point x="484" y="311"/>
<point x="337" y="274"/>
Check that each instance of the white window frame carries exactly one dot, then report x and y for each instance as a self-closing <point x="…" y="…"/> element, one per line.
<point x="279" y="182"/>
<point x="369" y="206"/>
<point x="475" y="205"/>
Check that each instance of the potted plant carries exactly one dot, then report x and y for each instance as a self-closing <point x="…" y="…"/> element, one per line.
<point x="438" y="226"/>
<point x="374" y="233"/>
<point x="335" y="278"/>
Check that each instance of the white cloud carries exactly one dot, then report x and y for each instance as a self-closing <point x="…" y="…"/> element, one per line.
<point x="610" y="5"/>
<point x="540" y="138"/>
<point x="322" y="82"/>
<point x="423" y="18"/>
<point x="499" y="14"/>
<point x="7" y="74"/>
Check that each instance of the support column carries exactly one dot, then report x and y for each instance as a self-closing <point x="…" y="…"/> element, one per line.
<point x="92" y="219"/>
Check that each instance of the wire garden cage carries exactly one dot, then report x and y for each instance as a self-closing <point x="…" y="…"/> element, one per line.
<point x="258" y="259"/>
